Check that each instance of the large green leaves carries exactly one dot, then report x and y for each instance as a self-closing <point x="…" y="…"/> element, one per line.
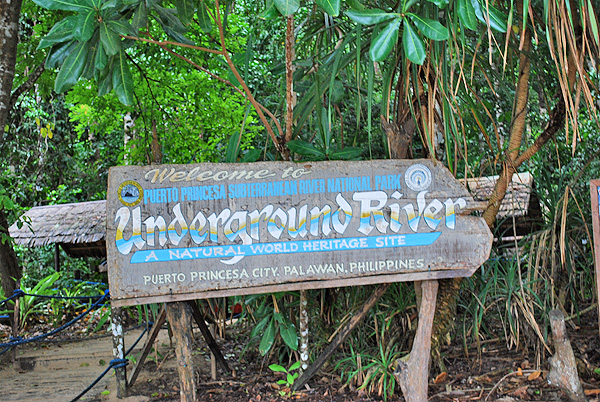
<point x="383" y="43"/>
<point x="497" y="20"/>
<point x="287" y="7"/>
<point x="204" y="20"/>
<point x="305" y="148"/>
<point x="72" y="68"/>
<point x="62" y="31"/>
<point x="66" y="5"/>
<point x="267" y="339"/>
<point x="466" y="13"/>
<point x="85" y="25"/>
<point x="430" y="28"/>
<point x="110" y="39"/>
<point x="413" y="45"/>
<point x="122" y="81"/>
<point x="186" y="10"/>
<point x="331" y="7"/>
<point x="369" y="17"/>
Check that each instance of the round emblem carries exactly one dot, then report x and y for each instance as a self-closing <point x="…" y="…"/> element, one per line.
<point x="130" y="193"/>
<point x="418" y="177"/>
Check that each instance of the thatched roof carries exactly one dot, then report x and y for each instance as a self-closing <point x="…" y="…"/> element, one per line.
<point x="80" y="228"/>
<point x="518" y="195"/>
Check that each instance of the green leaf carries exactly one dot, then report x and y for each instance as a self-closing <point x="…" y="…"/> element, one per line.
<point x="270" y="11"/>
<point x="337" y="92"/>
<point x="440" y="3"/>
<point x="331" y="7"/>
<point x="347" y="153"/>
<point x="287" y="7"/>
<point x="232" y="148"/>
<point x="277" y="367"/>
<point x="384" y="42"/>
<point x="290" y="378"/>
<point x="466" y="13"/>
<point x="355" y="4"/>
<point x="305" y="149"/>
<point x="497" y="18"/>
<point x="62" y="31"/>
<point x="58" y="53"/>
<point x="122" y="79"/>
<point x="101" y="58"/>
<point x="370" y="17"/>
<point x="430" y="28"/>
<point x="287" y="330"/>
<point x="251" y="156"/>
<point x="66" y="5"/>
<point x="413" y="45"/>
<point x="295" y="366"/>
<point x="204" y="18"/>
<point x="122" y="27"/>
<point x="85" y="25"/>
<point x="267" y="339"/>
<point x="186" y="10"/>
<point x="140" y="17"/>
<point x="259" y="327"/>
<point x="110" y="40"/>
<point x="72" y="68"/>
<point x="593" y="25"/>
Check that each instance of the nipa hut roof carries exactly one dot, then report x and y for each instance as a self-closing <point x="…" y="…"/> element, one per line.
<point x="78" y="223"/>
<point x="518" y="195"/>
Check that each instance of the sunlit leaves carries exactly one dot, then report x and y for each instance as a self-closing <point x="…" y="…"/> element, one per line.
<point x="287" y="7"/>
<point x="414" y="48"/>
<point x="72" y="68"/>
<point x="383" y="43"/>
<point x="369" y="17"/>
<point x="331" y="7"/>
<point x="430" y="28"/>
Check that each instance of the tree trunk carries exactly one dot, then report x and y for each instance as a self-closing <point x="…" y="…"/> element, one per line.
<point x="10" y="272"/>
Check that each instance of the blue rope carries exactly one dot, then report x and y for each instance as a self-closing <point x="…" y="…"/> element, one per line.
<point x="138" y="339"/>
<point x="16" y="294"/>
<point x="116" y="363"/>
<point x="57" y="330"/>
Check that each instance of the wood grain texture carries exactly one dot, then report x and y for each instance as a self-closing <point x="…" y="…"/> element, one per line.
<point x="595" y="198"/>
<point x="178" y="315"/>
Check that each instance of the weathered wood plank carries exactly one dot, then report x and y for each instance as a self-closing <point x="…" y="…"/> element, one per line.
<point x="197" y="230"/>
<point x="179" y="316"/>
<point x="206" y="333"/>
<point x="412" y="376"/>
<point x="595" y="197"/>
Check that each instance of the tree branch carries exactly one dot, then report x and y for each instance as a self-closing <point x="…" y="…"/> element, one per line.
<point x="26" y="86"/>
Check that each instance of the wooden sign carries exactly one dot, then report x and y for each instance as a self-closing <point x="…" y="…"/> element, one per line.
<point x="595" y="197"/>
<point x="179" y="232"/>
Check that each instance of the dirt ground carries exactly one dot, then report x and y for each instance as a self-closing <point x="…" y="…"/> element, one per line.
<point x="58" y="371"/>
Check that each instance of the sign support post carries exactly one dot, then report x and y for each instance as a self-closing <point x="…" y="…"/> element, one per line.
<point x="178" y="315"/>
<point x="595" y="198"/>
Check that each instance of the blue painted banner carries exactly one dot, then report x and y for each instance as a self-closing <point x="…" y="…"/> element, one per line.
<point x="289" y="247"/>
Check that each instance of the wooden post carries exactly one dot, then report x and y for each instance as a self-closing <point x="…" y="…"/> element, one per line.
<point x="56" y="257"/>
<point x="15" y="329"/>
<point x="595" y="197"/>
<point x="116" y="317"/>
<point x="563" y="367"/>
<point x="160" y="320"/>
<point x="413" y="376"/>
<point x="179" y="316"/>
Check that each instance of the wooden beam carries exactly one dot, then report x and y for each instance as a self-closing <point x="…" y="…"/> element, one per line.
<point x="412" y="376"/>
<point x="116" y="318"/>
<point x="210" y="341"/>
<point x="160" y="320"/>
<point x="595" y="197"/>
<point x="340" y="337"/>
<point x="179" y="317"/>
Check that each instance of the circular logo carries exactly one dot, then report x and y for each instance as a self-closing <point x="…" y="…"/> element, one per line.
<point x="130" y="193"/>
<point x="418" y="177"/>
